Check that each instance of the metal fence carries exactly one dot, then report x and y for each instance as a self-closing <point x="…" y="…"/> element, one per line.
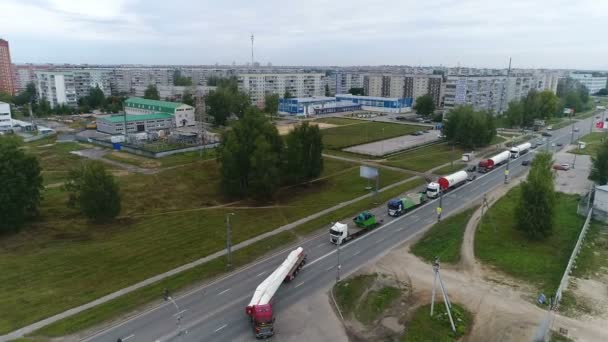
<point x="545" y="325"/>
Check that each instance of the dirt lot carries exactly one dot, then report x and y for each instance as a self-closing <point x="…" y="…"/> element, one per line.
<point x="285" y="128"/>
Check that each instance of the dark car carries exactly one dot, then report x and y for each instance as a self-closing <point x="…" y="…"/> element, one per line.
<point x="401" y="118"/>
<point x="471" y="177"/>
<point x="417" y="133"/>
<point x="425" y="131"/>
<point x="526" y="162"/>
<point x="560" y="144"/>
<point x="546" y="134"/>
<point x="472" y="168"/>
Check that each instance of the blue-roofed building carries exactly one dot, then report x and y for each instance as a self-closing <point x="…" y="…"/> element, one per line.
<point x="378" y="104"/>
<point x="317" y="105"/>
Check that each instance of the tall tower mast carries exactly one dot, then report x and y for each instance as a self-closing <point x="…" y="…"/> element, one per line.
<point x="252" y="50"/>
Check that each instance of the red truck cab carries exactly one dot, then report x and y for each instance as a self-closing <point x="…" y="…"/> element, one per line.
<point x="261" y="320"/>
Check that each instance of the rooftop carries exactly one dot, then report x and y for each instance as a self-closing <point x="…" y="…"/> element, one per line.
<point x="142" y="117"/>
<point x="377" y="98"/>
<point x="146" y="102"/>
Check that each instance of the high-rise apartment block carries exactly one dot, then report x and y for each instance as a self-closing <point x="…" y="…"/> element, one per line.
<point x="404" y="86"/>
<point x="297" y="84"/>
<point x="6" y="69"/>
<point x="66" y="87"/>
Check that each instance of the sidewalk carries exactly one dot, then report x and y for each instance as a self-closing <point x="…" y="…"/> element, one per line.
<point x="35" y="326"/>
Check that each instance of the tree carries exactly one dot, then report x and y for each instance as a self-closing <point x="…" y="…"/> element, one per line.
<point x="425" y="105"/>
<point x="515" y="114"/>
<point x="21" y="185"/>
<point x="29" y="94"/>
<point x="271" y="105"/>
<point x="303" y="153"/>
<point x="96" y="98"/>
<point x="469" y="128"/>
<point x="602" y="92"/>
<point x="227" y="100"/>
<point x="180" y="80"/>
<point x="536" y="206"/>
<point x="6" y="97"/>
<point x="356" y="91"/>
<point x="287" y="95"/>
<point x="599" y="168"/>
<point x="327" y="93"/>
<point x="93" y="191"/>
<point x="151" y="93"/>
<point x="247" y="151"/>
<point x="187" y="98"/>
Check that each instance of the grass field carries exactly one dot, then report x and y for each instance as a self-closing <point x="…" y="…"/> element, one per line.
<point x="541" y="263"/>
<point x="422" y="327"/>
<point x="593" y="257"/>
<point x="458" y="165"/>
<point x="364" y="132"/>
<point x="593" y="142"/>
<point x="61" y="260"/>
<point x="425" y="158"/>
<point x="349" y="291"/>
<point x="375" y="302"/>
<point x="444" y="239"/>
<point x="339" y="121"/>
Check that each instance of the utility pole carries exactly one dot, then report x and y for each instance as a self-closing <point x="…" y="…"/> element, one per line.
<point x="446" y="300"/>
<point x="507" y="169"/>
<point x="201" y="112"/>
<point x="339" y="265"/>
<point x="229" y="240"/>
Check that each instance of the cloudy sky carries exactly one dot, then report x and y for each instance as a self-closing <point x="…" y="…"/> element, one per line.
<point x="478" y="33"/>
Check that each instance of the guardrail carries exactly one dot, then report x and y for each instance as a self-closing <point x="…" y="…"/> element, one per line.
<point x="545" y="325"/>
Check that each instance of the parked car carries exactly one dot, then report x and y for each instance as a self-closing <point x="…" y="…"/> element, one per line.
<point x="400" y="118"/>
<point x="549" y="128"/>
<point x="546" y="134"/>
<point x="427" y="121"/>
<point x="425" y="131"/>
<point x="562" y="167"/>
<point x="526" y="162"/>
<point x="416" y="133"/>
<point x="560" y="144"/>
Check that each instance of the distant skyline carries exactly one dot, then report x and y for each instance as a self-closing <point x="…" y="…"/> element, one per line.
<point x="472" y="33"/>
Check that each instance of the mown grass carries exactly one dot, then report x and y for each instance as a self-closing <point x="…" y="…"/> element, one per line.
<point x="340" y="121"/>
<point x="348" y="292"/>
<point x="593" y="141"/>
<point x="446" y="170"/>
<point x="375" y="302"/>
<point x="444" y="239"/>
<point x="425" y="158"/>
<point x="422" y="327"/>
<point x="61" y="260"/>
<point x="541" y="263"/>
<point x="593" y="256"/>
<point x="368" y="131"/>
<point x="54" y="156"/>
<point x="153" y="293"/>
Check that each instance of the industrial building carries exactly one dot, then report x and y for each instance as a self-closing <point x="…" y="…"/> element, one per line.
<point x="115" y="124"/>
<point x="316" y="106"/>
<point x="378" y="104"/>
<point x="593" y="83"/>
<point x="297" y="84"/>
<point x="183" y="114"/>
<point x="6" y="121"/>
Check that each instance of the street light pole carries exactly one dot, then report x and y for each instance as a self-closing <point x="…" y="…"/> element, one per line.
<point x="440" y="208"/>
<point x="178" y="315"/>
<point x="229" y="240"/>
<point x="339" y="265"/>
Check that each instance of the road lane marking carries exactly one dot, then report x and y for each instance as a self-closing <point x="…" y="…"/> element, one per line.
<point x="400" y="229"/>
<point x="319" y="245"/>
<point x="329" y="268"/>
<point x="179" y="313"/>
<point x="221" y="293"/>
<point x="356" y="253"/>
<point x="261" y="273"/>
<point x="220" y="328"/>
<point x="380" y="240"/>
<point x="128" y="337"/>
<point x="300" y="284"/>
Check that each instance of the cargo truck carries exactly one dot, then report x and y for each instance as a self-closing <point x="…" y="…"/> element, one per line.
<point x="520" y="150"/>
<point x="341" y="233"/>
<point x="259" y="309"/>
<point x="400" y="206"/>
<point x="446" y="183"/>
<point x="489" y="164"/>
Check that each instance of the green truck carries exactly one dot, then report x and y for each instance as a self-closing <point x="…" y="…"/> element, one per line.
<point x="400" y="206"/>
<point x="366" y="220"/>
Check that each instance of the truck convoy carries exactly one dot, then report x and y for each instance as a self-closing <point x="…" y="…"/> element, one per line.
<point x="400" y="206"/>
<point x="365" y="222"/>
<point x="259" y="309"/>
<point x="446" y="183"/>
<point x="489" y="164"/>
<point x="520" y="150"/>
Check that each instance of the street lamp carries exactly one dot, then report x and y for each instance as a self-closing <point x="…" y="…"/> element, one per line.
<point x="229" y="240"/>
<point x="178" y="315"/>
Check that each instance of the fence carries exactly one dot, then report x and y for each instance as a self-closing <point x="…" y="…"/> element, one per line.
<point x="146" y="153"/>
<point x="545" y="325"/>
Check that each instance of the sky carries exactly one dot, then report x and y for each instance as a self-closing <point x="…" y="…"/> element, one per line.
<point x="470" y="33"/>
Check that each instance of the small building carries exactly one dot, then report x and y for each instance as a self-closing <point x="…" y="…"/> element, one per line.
<point x="182" y="113"/>
<point x="6" y="122"/>
<point x="379" y="104"/>
<point x="115" y="124"/>
<point x="316" y="105"/>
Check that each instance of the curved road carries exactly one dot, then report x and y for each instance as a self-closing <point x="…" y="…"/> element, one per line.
<point x="216" y="311"/>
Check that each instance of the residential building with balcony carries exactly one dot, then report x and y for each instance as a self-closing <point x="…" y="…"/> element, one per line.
<point x="297" y="84"/>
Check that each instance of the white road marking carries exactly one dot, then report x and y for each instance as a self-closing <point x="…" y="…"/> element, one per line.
<point x="220" y="328"/>
<point x="356" y="253"/>
<point x="261" y="273"/>
<point x="380" y="240"/>
<point x="329" y="268"/>
<point x="319" y="245"/>
<point x="128" y="337"/>
<point x="221" y="293"/>
<point x="178" y="313"/>
<point x="399" y="229"/>
<point x="319" y="259"/>
<point x="300" y="284"/>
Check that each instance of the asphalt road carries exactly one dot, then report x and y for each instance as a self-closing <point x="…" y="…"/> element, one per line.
<point x="216" y="311"/>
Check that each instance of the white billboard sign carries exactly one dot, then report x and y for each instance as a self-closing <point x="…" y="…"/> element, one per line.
<point x="368" y="172"/>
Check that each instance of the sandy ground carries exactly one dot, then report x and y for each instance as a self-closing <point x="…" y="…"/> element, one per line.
<point x="286" y="128"/>
<point x="386" y="146"/>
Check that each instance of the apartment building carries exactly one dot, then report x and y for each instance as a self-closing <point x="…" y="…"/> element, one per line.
<point x="404" y="86"/>
<point x="344" y="81"/>
<point x="57" y="87"/>
<point x="297" y="84"/>
<point x="6" y="122"/>
<point x="125" y="80"/>
<point x="24" y="74"/>
<point x="593" y="83"/>
<point x="6" y="69"/>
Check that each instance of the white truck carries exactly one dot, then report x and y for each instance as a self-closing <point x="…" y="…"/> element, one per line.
<point x="520" y="150"/>
<point x="446" y="183"/>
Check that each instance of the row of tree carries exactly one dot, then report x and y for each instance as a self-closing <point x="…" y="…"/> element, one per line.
<point x="536" y="105"/>
<point x="469" y="128"/>
<point x="255" y="161"/>
<point x="91" y="189"/>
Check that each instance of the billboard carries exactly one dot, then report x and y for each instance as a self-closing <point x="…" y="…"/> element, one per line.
<point x="368" y="172"/>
